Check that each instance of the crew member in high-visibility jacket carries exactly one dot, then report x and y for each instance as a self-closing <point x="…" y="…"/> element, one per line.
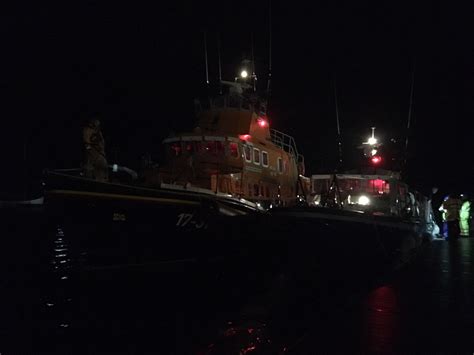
<point x="95" y="164"/>
<point x="465" y="216"/>
<point x="451" y="206"/>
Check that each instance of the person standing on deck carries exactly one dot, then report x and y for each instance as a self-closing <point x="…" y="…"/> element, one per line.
<point x="445" y="223"/>
<point x="451" y="206"/>
<point x="464" y="216"/>
<point x="95" y="165"/>
<point x="428" y="214"/>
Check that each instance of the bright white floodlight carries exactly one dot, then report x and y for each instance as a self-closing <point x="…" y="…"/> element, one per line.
<point x="363" y="200"/>
<point x="372" y="141"/>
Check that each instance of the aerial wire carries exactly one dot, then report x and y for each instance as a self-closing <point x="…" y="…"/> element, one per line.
<point x="269" y="48"/>
<point x="219" y="60"/>
<point x="253" y="64"/>
<point x="410" y="110"/>
<point x="205" y="58"/>
<point x="338" y="125"/>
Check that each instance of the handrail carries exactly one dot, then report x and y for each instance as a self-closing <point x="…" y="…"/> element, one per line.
<point x="287" y="143"/>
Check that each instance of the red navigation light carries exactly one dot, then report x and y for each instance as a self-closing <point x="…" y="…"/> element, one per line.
<point x="244" y="137"/>
<point x="376" y="159"/>
<point x="262" y="122"/>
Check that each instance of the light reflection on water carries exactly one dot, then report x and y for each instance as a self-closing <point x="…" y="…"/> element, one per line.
<point x="58" y="294"/>
<point x="381" y="319"/>
<point x="382" y="323"/>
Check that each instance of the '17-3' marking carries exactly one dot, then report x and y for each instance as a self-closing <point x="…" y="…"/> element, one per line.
<point x="187" y="218"/>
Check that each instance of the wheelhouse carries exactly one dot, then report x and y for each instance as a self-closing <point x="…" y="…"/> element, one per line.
<point x="377" y="194"/>
<point x="233" y="150"/>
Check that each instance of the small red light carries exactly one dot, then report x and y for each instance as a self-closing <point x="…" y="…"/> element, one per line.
<point x="244" y="137"/>
<point x="262" y="122"/>
<point x="376" y="159"/>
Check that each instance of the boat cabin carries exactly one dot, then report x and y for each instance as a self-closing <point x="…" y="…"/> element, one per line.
<point x="233" y="150"/>
<point x="377" y="194"/>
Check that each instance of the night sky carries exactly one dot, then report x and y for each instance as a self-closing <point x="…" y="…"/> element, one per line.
<point x="139" y="67"/>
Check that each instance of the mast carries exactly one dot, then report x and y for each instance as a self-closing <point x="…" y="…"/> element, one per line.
<point x="410" y="110"/>
<point x="339" y="140"/>
<point x="25" y="168"/>
<point x="205" y="58"/>
<point x="254" y="77"/>
<point x="219" y="60"/>
<point x="269" y="48"/>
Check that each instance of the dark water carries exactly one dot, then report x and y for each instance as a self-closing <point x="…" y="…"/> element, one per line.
<point x="426" y="308"/>
<point x="52" y="302"/>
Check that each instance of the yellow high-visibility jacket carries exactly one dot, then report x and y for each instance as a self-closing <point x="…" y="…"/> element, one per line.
<point x="451" y="207"/>
<point x="465" y="210"/>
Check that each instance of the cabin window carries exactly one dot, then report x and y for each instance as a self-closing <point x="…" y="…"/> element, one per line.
<point x="176" y="149"/>
<point x="210" y="147"/>
<point x="189" y="146"/>
<point x="280" y="165"/>
<point x="214" y="147"/>
<point x="199" y="146"/>
<point x="256" y="190"/>
<point x="234" y="149"/>
<point x="379" y="186"/>
<point x="256" y="156"/>
<point x="265" y="159"/>
<point x="247" y="153"/>
<point x="219" y="147"/>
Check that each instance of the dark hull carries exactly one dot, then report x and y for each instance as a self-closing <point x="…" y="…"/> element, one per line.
<point x="112" y="248"/>
<point x="113" y="225"/>
<point x="354" y="237"/>
<point x="127" y="253"/>
<point x="124" y="225"/>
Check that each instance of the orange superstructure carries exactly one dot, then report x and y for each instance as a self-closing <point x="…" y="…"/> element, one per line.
<point x="233" y="150"/>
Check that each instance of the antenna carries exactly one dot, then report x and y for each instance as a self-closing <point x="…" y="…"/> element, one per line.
<point x="410" y="110"/>
<point x="339" y="141"/>
<point x="254" y="77"/>
<point x="269" y="48"/>
<point x="205" y="58"/>
<point x="219" y="59"/>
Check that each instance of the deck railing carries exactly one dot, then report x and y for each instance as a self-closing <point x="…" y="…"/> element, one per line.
<point x="287" y="143"/>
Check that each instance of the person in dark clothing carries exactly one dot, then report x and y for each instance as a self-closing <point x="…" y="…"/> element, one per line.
<point x="95" y="164"/>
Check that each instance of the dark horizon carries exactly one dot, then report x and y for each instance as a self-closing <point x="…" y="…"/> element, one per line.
<point x="139" y="69"/>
